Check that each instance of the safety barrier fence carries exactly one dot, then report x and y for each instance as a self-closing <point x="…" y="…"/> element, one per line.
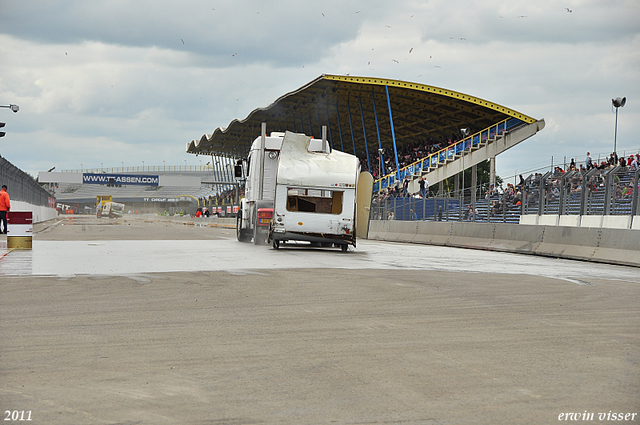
<point x="22" y="187"/>
<point x="612" y="191"/>
<point x="446" y="154"/>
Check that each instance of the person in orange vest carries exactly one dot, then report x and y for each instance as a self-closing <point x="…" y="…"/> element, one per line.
<point x="5" y="206"/>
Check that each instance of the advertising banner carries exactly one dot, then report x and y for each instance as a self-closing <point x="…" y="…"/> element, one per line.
<point x="120" y="179"/>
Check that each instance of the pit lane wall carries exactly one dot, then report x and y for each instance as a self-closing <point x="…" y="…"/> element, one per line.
<point x="597" y="244"/>
<point x="40" y="213"/>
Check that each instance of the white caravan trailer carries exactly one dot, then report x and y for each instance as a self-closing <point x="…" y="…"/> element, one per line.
<point x="315" y="194"/>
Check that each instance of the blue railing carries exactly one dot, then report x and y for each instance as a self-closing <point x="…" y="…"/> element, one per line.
<point x="441" y="156"/>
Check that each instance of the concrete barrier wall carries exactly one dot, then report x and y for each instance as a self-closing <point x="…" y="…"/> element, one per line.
<point x="615" y="246"/>
<point x="606" y="221"/>
<point x="40" y="214"/>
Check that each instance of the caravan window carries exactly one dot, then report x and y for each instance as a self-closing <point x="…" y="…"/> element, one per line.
<point x="314" y="200"/>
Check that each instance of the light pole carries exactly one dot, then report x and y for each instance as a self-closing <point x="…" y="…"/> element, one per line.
<point x="14" y="108"/>
<point x="617" y="103"/>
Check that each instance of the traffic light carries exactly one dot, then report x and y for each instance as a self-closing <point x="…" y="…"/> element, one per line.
<point x="2" y="133"/>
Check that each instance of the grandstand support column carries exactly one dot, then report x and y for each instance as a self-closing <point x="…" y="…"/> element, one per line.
<point x="456" y="183"/>
<point x="441" y="188"/>
<point x="393" y="132"/>
<point x="492" y="171"/>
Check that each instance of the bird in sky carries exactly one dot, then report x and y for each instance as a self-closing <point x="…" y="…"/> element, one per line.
<point x="522" y="16"/>
<point x="395" y="61"/>
<point x="568" y="10"/>
<point x="411" y="50"/>
<point x="182" y="41"/>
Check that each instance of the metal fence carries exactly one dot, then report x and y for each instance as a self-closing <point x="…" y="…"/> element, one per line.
<point x="612" y="191"/>
<point x="21" y="187"/>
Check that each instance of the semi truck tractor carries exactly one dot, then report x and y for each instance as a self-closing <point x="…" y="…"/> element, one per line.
<point x="298" y="189"/>
<point x="259" y="172"/>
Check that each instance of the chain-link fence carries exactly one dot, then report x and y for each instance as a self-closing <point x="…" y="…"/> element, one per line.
<point x="21" y="187"/>
<point x="610" y="191"/>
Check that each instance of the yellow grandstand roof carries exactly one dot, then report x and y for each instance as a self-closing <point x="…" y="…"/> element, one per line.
<point x="358" y="110"/>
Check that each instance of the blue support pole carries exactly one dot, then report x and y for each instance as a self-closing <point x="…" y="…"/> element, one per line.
<point x="339" y="128"/>
<point x="329" y="127"/>
<point x="353" y="140"/>
<point x="375" y="114"/>
<point x="393" y="133"/>
<point x="311" y="127"/>
<point x="301" y="125"/>
<point x="364" y="131"/>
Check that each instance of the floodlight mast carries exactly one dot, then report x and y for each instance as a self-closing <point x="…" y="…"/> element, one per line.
<point x="14" y="108"/>
<point x="617" y="103"/>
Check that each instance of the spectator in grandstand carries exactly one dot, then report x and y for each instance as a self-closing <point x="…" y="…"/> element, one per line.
<point x="495" y="208"/>
<point x="5" y="206"/>
<point x="469" y="215"/>
<point x="424" y="186"/>
<point x="634" y="162"/>
<point x="589" y="161"/>
<point x="623" y="163"/>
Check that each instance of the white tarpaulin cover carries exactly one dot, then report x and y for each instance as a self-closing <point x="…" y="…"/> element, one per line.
<point x="300" y="167"/>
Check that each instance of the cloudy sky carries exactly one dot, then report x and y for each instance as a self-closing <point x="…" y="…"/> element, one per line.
<point x="113" y="83"/>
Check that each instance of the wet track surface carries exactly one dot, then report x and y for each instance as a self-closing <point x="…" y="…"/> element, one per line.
<point x="150" y="321"/>
<point x="217" y="250"/>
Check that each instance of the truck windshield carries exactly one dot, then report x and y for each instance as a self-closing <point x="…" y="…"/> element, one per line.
<point x="314" y="200"/>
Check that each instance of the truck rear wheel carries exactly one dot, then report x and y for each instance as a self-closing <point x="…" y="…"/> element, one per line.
<point x="242" y="234"/>
<point x="260" y="237"/>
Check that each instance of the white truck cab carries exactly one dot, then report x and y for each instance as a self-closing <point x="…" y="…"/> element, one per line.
<point x="256" y="208"/>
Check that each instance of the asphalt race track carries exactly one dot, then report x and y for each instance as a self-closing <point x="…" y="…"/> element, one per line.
<point x="149" y="321"/>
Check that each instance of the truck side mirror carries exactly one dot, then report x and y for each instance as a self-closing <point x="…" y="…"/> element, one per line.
<point x="237" y="169"/>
